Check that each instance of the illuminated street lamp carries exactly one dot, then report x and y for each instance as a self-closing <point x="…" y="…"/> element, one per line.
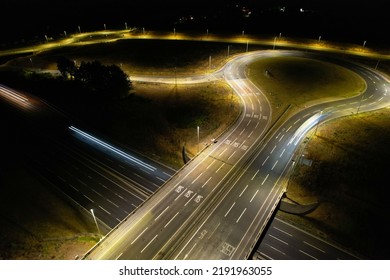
<point x="94" y="218"/>
<point x="198" y="137"/>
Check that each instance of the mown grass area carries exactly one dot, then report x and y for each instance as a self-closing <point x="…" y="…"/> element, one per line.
<point x="36" y="222"/>
<point x="349" y="177"/>
<point x="299" y="81"/>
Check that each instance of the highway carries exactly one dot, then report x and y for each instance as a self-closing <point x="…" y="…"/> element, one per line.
<point x="219" y="204"/>
<point x="283" y="241"/>
<point x="113" y="180"/>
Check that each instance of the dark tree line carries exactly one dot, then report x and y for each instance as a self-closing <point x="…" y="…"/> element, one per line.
<point x="105" y="80"/>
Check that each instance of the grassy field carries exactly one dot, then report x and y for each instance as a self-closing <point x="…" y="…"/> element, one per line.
<point x="158" y="120"/>
<point x="349" y="178"/>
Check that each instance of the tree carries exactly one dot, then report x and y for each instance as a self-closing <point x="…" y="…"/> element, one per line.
<point x="66" y="67"/>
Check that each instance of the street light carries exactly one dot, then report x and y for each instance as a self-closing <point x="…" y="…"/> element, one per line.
<point x="198" y="137"/>
<point x="94" y="218"/>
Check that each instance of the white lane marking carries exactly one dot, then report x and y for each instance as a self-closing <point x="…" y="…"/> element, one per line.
<point x="280" y="240"/>
<point x="276" y="162"/>
<point x="315" y="247"/>
<point x="289" y="128"/>
<point x="282" y="153"/>
<point x="96" y="192"/>
<point x="273" y="149"/>
<point x="161" y="213"/>
<point x="169" y="175"/>
<point x="82" y="182"/>
<point x="223" y="152"/>
<point x="242" y="131"/>
<point x="297" y="121"/>
<point x="196" y="178"/>
<point x="307" y="254"/>
<point x="149" y="243"/>
<point x="189" y="252"/>
<point x="265" y="179"/>
<point x="206" y="182"/>
<point x="210" y="164"/>
<point x="88" y="198"/>
<point x="248" y="122"/>
<point x="171" y="220"/>
<point x="250" y="134"/>
<point x="180" y="194"/>
<point x="113" y="203"/>
<point x="232" y="154"/>
<point x="119" y="256"/>
<point x="257" y="124"/>
<point x="254" y="195"/>
<point x="220" y="167"/>
<point x="62" y="179"/>
<point x="243" y="191"/>
<point x="104" y="210"/>
<point x="277" y="250"/>
<point x="265" y="160"/>
<point x="229" y="209"/>
<point x="73" y="187"/>
<point x="281" y="138"/>
<point x="162" y="180"/>
<point x="139" y="236"/>
<point x="190" y="199"/>
<point x="306" y="115"/>
<point x="240" y="216"/>
<point x="278" y="135"/>
<point x="255" y="174"/>
<point x="285" y="232"/>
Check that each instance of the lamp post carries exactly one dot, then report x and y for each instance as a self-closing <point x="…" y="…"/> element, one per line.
<point x="198" y="137"/>
<point x="94" y="218"/>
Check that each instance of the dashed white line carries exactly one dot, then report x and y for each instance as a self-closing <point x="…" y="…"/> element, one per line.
<point x="273" y="149"/>
<point x="307" y="254"/>
<point x="206" y="182"/>
<point x="297" y="121"/>
<point x="311" y="245"/>
<point x="180" y="194"/>
<point x="229" y="209"/>
<point x="254" y="195"/>
<point x="285" y="232"/>
<point x="161" y="213"/>
<point x="232" y="154"/>
<point x="255" y="174"/>
<point x="243" y="191"/>
<point x="282" y="153"/>
<point x="171" y="220"/>
<point x="210" y="164"/>
<point x="149" y="243"/>
<point x="223" y="152"/>
<point x="276" y="162"/>
<point x="190" y="199"/>
<point x="139" y="236"/>
<point x="281" y="138"/>
<point x="104" y="210"/>
<point x="220" y="167"/>
<point x="242" y="131"/>
<point x="280" y="240"/>
<point x="265" y="161"/>
<point x="196" y="178"/>
<point x="240" y="216"/>
<point x="73" y="187"/>
<point x="265" y="179"/>
<point x="289" y="128"/>
<point x="88" y="198"/>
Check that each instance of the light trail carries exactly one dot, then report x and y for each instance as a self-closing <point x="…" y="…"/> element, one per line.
<point x="111" y="148"/>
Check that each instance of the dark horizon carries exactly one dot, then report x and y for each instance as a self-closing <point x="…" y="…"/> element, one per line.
<point x="345" y="21"/>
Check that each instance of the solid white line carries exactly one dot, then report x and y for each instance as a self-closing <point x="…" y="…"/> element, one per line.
<point x="254" y="195"/>
<point x="149" y="243"/>
<point x="139" y="236"/>
<point x="243" y="191"/>
<point x="171" y="220"/>
<point x="161" y="213"/>
<point x="230" y="209"/>
<point x="265" y="179"/>
<point x="255" y="174"/>
<point x="240" y="216"/>
<point x="265" y="161"/>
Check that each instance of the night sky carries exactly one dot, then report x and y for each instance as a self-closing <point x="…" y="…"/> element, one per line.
<point x="342" y="20"/>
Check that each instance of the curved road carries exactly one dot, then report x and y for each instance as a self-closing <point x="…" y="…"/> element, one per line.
<point x="218" y="205"/>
